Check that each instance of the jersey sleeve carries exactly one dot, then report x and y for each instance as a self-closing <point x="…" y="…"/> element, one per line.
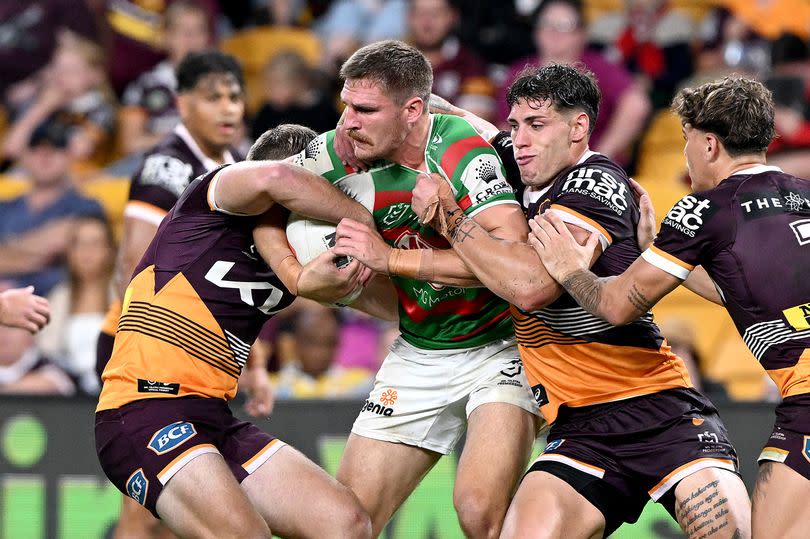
<point x="691" y="233"/>
<point x="156" y="186"/>
<point x="596" y="199"/>
<point x="471" y="165"/>
<point x="320" y="158"/>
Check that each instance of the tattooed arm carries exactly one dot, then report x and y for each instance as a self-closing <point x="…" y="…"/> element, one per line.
<point x="619" y="299"/>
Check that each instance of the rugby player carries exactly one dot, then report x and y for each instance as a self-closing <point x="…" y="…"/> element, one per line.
<point x="627" y="424"/>
<point x="164" y="433"/>
<point x="748" y="225"/>
<point x="455" y="365"/>
<point x="211" y="103"/>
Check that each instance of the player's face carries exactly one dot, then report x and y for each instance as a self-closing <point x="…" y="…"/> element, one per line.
<point x="376" y="124"/>
<point x="694" y="150"/>
<point x="541" y="141"/>
<point x="213" y="112"/>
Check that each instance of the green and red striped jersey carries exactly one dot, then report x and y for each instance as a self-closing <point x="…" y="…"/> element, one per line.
<point x="431" y="315"/>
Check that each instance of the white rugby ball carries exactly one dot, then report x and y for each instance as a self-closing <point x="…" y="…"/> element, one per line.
<point x="308" y="238"/>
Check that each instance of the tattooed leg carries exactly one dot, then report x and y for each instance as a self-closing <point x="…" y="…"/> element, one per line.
<point x="713" y="504"/>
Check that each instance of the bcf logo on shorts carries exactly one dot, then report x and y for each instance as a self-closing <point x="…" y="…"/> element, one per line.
<point x="553" y="444"/>
<point x="138" y="486"/>
<point x="171" y="437"/>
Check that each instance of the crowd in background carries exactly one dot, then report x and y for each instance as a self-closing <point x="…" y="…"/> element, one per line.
<point x="86" y="87"/>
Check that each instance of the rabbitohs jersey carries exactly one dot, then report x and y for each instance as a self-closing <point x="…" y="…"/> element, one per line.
<point x="431" y="316"/>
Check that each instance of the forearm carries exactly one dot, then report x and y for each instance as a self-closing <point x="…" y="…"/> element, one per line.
<point x="600" y="296"/>
<point x="511" y="269"/>
<point x="17" y="257"/>
<point x="379" y="299"/>
<point x="701" y="284"/>
<point x="441" y="266"/>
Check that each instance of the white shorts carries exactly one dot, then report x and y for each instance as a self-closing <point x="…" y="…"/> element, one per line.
<point x="424" y="397"/>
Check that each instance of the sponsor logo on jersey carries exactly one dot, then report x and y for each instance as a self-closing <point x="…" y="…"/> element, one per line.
<point x="480" y="172"/>
<point x="151" y="386"/>
<point x="708" y="437"/>
<point x="376" y="408"/>
<point x="806" y="448"/>
<point x="798" y="317"/>
<point x="689" y="214"/>
<point x="539" y="394"/>
<point x="171" y="437"/>
<point x="762" y="204"/>
<point x="138" y="486"/>
<point x="801" y="229"/>
<point x="167" y="172"/>
<point x="599" y="185"/>
<point x="553" y="444"/>
<point x="490" y="191"/>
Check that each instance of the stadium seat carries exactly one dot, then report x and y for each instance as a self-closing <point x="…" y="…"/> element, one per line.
<point x="111" y="193"/>
<point x="255" y="46"/>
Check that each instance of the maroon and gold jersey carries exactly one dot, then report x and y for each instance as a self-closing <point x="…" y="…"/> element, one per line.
<point x="195" y="305"/>
<point x="752" y="235"/>
<point x="573" y="358"/>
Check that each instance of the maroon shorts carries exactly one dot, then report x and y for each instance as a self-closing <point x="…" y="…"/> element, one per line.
<point x="144" y="443"/>
<point x="104" y="348"/>
<point x="790" y="440"/>
<point x="619" y="455"/>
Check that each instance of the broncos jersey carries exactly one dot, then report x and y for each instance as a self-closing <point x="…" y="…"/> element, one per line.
<point x="751" y="233"/>
<point x="573" y="358"/>
<point x="195" y="305"/>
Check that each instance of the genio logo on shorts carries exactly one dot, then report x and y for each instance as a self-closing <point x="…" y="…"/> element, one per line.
<point x="171" y="436"/>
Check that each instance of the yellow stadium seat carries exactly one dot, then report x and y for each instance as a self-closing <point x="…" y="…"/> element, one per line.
<point x="112" y="193"/>
<point x="12" y="186"/>
<point x="738" y="369"/>
<point x="255" y="46"/>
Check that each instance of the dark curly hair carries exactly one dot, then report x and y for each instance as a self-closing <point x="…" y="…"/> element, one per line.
<point x="567" y="87"/>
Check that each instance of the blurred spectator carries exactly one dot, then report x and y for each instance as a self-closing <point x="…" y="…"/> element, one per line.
<point x="24" y="370"/>
<point x="72" y="91"/>
<point x="291" y="96"/>
<point x="35" y="228"/>
<point x="651" y="40"/>
<point x="312" y="372"/>
<point x="680" y="335"/>
<point x="135" y="40"/>
<point x="458" y="74"/>
<point x="730" y="45"/>
<point x="149" y="112"/>
<point x="79" y="304"/>
<point x="21" y="308"/>
<point x="349" y="24"/>
<point x="29" y="30"/>
<point x="790" y="84"/>
<point x="363" y="340"/>
<point x="560" y="37"/>
<point x="500" y="32"/>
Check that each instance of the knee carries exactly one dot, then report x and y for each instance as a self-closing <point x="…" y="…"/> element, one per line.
<point x="353" y="521"/>
<point x="478" y="514"/>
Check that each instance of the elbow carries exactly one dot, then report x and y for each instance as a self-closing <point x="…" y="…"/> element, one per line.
<point x="616" y="316"/>
<point x="532" y="300"/>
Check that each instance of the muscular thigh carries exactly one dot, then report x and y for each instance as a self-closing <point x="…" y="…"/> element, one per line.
<point x="713" y="503"/>
<point x="780" y="502"/>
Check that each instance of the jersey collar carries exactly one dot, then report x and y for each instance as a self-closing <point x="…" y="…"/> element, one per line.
<point x="182" y="131"/>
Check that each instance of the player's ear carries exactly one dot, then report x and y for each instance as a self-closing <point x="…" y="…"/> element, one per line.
<point x="579" y="127"/>
<point x="713" y="146"/>
<point x="182" y="105"/>
<point x="414" y="108"/>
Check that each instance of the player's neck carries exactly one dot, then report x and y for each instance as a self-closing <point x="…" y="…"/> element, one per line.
<point x="733" y="165"/>
<point x="411" y="152"/>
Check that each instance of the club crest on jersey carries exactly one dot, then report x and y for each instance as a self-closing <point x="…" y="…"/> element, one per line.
<point x="553" y="444"/>
<point x="689" y="214"/>
<point x="600" y="185"/>
<point x="801" y="229"/>
<point x="171" y="437"/>
<point x="138" y="486"/>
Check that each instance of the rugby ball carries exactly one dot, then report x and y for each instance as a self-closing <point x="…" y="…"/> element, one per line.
<point x="308" y="238"/>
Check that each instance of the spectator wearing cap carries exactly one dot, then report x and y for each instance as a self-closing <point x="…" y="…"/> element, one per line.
<point x="35" y="227"/>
